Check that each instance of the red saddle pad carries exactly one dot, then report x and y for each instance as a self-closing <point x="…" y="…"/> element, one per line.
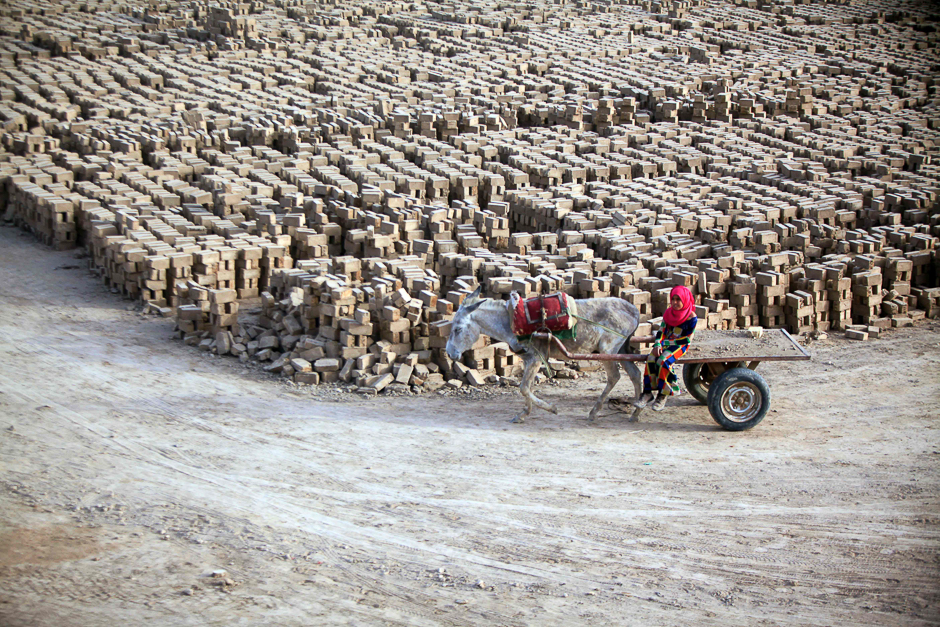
<point x="551" y="312"/>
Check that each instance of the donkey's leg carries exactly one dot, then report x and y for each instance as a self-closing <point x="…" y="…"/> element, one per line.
<point x="516" y="346"/>
<point x="613" y="375"/>
<point x="527" y="373"/>
<point x="636" y="377"/>
<point x="532" y="363"/>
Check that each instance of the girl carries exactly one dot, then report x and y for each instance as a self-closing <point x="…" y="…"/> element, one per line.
<point x="672" y="340"/>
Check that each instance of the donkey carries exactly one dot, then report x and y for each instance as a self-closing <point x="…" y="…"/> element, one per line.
<point x="492" y="318"/>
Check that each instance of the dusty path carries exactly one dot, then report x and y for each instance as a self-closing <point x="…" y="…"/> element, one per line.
<point x="135" y="470"/>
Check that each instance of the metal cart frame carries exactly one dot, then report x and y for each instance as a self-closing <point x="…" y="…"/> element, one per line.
<point x="737" y="397"/>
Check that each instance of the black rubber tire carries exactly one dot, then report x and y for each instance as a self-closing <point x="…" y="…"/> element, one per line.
<point x="738" y="399"/>
<point x="696" y="378"/>
<point x="695" y="382"/>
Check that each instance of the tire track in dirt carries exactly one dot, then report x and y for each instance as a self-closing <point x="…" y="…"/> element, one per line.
<point x="161" y="458"/>
<point x="528" y="551"/>
<point x="139" y="452"/>
<point x="317" y="525"/>
<point x="326" y="529"/>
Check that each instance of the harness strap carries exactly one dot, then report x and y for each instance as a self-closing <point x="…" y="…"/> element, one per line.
<point x="529" y="343"/>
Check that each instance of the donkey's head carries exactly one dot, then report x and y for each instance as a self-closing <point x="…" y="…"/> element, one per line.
<point x="463" y="330"/>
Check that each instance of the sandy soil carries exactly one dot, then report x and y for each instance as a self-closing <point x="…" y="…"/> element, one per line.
<point x="144" y="481"/>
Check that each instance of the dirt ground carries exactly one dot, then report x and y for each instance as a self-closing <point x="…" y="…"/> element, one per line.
<point x="144" y="481"/>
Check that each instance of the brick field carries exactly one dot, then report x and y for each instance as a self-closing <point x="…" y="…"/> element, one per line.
<point x="318" y="186"/>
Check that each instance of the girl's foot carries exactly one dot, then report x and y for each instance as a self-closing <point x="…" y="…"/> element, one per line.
<point x="641" y="402"/>
<point x="660" y="403"/>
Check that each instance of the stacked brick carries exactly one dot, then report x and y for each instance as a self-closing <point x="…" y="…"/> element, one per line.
<point x="41" y="208"/>
<point x="772" y="288"/>
<point x="866" y="296"/>
<point x="361" y="202"/>
<point x="839" y="295"/>
<point x="192" y="315"/>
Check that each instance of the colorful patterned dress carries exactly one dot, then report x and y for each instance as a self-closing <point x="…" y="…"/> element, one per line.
<point x="674" y="341"/>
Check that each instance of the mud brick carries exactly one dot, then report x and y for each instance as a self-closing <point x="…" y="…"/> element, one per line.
<point x="903" y="288"/>
<point x="898" y="269"/>
<point x="867" y="300"/>
<point x="767" y="278"/>
<point x="414" y="312"/>
<point x="770" y="292"/>
<point x="223" y="296"/>
<point x="355" y="328"/>
<point x="190" y="312"/>
<point x="867" y="279"/>
<point x="840" y="288"/>
<point x="206" y="258"/>
<point x="306" y="378"/>
<point x="928" y="300"/>
<point x="222" y="309"/>
<point x="741" y="289"/>
<point x="218" y="321"/>
<point x="341" y="294"/>
<point x="865" y="313"/>
<point x="300" y="365"/>
<point x="440" y="329"/>
<point x="866" y="289"/>
<point x="403" y="372"/>
<point x="853" y="334"/>
<point x="716" y="305"/>
<point x="327" y="364"/>
<point x="397" y="326"/>
<point x="156" y="262"/>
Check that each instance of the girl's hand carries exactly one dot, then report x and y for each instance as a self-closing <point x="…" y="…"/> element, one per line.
<point x="656" y="351"/>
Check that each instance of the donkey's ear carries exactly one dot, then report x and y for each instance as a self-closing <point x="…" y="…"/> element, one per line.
<point x="472" y="306"/>
<point x="473" y="299"/>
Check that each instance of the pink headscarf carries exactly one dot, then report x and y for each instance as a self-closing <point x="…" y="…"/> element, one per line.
<point x="674" y="318"/>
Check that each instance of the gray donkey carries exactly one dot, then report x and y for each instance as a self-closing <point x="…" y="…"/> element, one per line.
<point x="492" y="318"/>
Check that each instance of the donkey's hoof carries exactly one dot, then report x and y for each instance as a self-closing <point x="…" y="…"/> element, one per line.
<point x="518" y="419"/>
<point x="553" y="409"/>
<point x="635" y="416"/>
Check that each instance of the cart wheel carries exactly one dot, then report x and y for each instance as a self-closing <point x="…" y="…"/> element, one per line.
<point x="738" y="399"/>
<point x="698" y="377"/>
<point x="693" y="375"/>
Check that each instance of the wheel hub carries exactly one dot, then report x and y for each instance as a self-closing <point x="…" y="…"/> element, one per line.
<point x="741" y="402"/>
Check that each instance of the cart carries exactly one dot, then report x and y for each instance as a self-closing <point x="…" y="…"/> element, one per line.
<point x="719" y="371"/>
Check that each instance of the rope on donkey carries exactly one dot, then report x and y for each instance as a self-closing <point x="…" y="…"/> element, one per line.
<point x="542" y="357"/>
<point x="598" y="324"/>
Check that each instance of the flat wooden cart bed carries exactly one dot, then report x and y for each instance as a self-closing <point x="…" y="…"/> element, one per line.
<point x="718" y="370"/>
